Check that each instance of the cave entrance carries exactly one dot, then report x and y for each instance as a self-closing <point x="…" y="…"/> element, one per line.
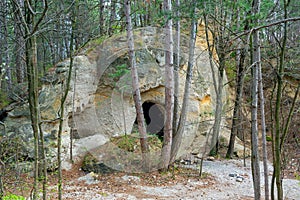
<point x="154" y="118"/>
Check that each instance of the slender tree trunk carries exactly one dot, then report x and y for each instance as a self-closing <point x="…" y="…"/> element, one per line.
<point x="43" y="165"/>
<point x="135" y="82"/>
<point x="289" y="118"/>
<point x="112" y="17"/>
<point x="3" y="40"/>
<point x="31" y="26"/>
<point x="273" y="139"/>
<point x="101" y="17"/>
<point x="218" y="111"/>
<point x="237" y="103"/>
<point x="256" y="59"/>
<point x="217" y="81"/>
<point x="236" y="121"/>
<point x="181" y="125"/>
<point x="2" y="19"/>
<point x="176" y="69"/>
<point x="169" y="88"/>
<point x="263" y="136"/>
<point x="19" y="42"/>
<point x="33" y="103"/>
<point x="32" y="72"/>
<point x="5" y="47"/>
<point x="63" y="99"/>
<point x="277" y="160"/>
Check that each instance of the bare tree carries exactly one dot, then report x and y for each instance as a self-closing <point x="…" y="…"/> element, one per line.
<point x="182" y="120"/>
<point x="220" y="46"/>
<point x="241" y="55"/>
<point x="112" y="17"/>
<point x="277" y="138"/>
<point x="31" y="25"/>
<point x="101" y="17"/>
<point x="19" y="42"/>
<point x="176" y="69"/>
<point x="256" y="59"/>
<point x="135" y="81"/>
<point x="169" y="87"/>
<point x="263" y="130"/>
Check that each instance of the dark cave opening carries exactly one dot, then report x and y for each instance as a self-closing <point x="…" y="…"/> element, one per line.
<point x="154" y="118"/>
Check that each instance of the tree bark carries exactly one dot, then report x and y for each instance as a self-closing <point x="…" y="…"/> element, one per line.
<point x="219" y="45"/>
<point x="263" y="130"/>
<point x="277" y="175"/>
<point x="135" y="82"/>
<point x="256" y="59"/>
<point x="19" y="42"/>
<point x="176" y="70"/>
<point x="181" y="125"/>
<point x="240" y="73"/>
<point x="31" y="25"/>
<point x="169" y="88"/>
<point x="101" y="17"/>
<point x="112" y="17"/>
<point x="237" y="103"/>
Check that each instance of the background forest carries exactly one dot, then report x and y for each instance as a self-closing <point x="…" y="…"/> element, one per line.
<point x="256" y="43"/>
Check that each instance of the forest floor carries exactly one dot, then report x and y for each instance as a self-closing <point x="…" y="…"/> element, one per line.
<point x="222" y="179"/>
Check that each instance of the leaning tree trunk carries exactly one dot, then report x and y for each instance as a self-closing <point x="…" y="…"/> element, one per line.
<point x="169" y="88"/>
<point x="180" y="130"/>
<point x="218" y="45"/>
<point x="240" y="73"/>
<point x="237" y="103"/>
<point x="135" y="81"/>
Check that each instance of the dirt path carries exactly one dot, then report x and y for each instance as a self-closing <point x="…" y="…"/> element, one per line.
<point x="223" y="180"/>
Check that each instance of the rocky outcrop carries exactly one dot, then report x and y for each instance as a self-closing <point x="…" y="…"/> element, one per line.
<point x="100" y="104"/>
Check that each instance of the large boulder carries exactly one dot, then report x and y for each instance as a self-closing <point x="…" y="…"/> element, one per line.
<point x="100" y="105"/>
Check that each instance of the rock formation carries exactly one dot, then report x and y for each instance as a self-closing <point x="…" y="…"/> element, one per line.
<point x="100" y="105"/>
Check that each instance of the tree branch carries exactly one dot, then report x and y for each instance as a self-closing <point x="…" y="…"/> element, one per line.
<point x="265" y="26"/>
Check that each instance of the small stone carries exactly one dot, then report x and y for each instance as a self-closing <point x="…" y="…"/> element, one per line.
<point x="233" y="175"/>
<point x="130" y="178"/>
<point x="239" y="179"/>
<point x="210" y="158"/>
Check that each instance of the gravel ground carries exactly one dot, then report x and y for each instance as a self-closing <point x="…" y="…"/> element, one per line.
<point x="227" y="179"/>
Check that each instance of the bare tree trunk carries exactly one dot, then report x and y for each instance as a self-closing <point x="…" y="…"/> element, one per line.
<point x="33" y="103"/>
<point x="217" y="79"/>
<point x="277" y="160"/>
<point x="2" y="19"/>
<point x="32" y="72"/>
<point x="176" y="69"/>
<point x="5" y="48"/>
<point x="101" y="17"/>
<point x="237" y="103"/>
<point x="169" y="88"/>
<point x="19" y="48"/>
<point x="181" y="125"/>
<point x="263" y="135"/>
<point x="240" y="73"/>
<point x="135" y="82"/>
<point x="3" y="40"/>
<point x="256" y="59"/>
<point x="112" y="17"/>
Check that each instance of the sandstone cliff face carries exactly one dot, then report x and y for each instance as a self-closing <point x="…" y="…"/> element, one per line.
<point x="100" y="104"/>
